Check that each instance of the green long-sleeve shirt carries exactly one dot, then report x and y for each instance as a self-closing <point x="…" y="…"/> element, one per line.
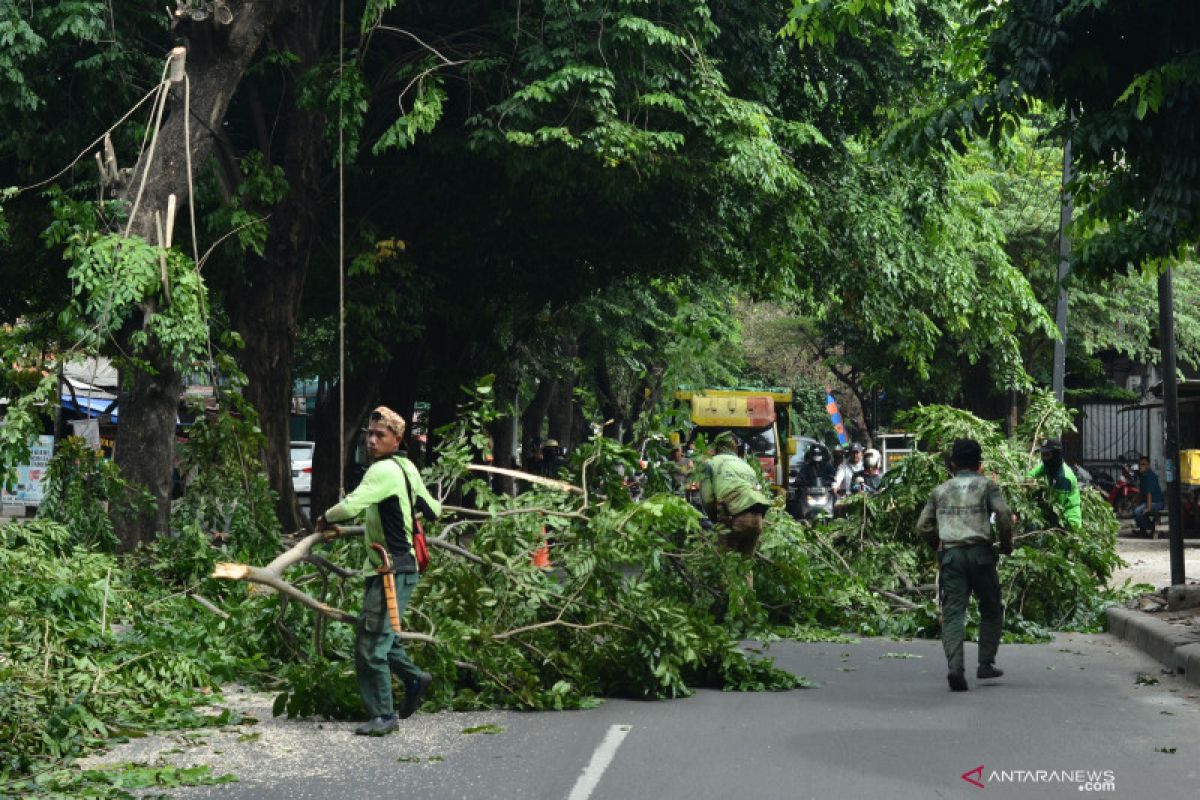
<point x="385" y="498"/>
<point x="1066" y="494"/>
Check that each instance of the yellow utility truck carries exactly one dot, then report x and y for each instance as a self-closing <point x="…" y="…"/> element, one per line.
<point x="760" y="417"/>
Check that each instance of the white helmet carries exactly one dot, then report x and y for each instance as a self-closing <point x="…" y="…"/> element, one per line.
<point x="871" y="458"/>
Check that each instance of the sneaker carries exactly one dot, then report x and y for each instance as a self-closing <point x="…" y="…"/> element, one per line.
<point x="957" y="681"/>
<point x="414" y="690"/>
<point x="379" y="726"/>
<point x="986" y="671"/>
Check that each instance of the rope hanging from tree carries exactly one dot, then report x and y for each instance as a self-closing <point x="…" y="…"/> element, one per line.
<point x="341" y="258"/>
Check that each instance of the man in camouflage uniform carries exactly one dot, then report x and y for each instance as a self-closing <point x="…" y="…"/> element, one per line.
<point x="732" y="497"/>
<point x="958" y="518"/>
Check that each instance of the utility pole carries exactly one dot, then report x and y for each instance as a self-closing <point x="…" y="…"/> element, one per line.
<point x="1166" y="335"/>
<point x="1058" y="379"/>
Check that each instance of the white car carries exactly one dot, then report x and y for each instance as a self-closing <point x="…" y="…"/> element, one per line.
<point x="302" y="453"/>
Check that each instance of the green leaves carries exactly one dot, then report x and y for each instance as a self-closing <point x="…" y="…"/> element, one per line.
<point x="115" y="278"/>
<point x="425" y="113"/>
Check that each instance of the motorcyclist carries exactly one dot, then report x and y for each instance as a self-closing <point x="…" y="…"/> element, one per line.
<point x="872" y="473"/>
<point x="817" y="469"/>
<point x="851" y="466"/>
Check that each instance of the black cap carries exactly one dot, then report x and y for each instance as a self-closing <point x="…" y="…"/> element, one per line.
<point x="1051" y="445"/>
<point x="966" y="451"/>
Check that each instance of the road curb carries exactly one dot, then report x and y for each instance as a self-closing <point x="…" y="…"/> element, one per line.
<point x="1175" y="648"/>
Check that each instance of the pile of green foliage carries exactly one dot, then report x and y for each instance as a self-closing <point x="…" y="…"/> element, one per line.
<point x="639" y="601"/>
<point x="96" y="647"/>
<point x="92" y="648"/>
<point x="877" y="576"/>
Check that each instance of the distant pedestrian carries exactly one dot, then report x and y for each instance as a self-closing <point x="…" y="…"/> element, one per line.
<point x="958" y="518"/>
<point x="552" y="461"/>
<point x="1151" y="493"/>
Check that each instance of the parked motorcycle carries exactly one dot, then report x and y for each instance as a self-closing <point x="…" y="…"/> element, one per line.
<point x="1123" y="496"/>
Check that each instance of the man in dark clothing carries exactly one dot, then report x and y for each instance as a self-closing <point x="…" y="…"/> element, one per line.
<point x="958" y="519"/>
<point x="817" y="469"/>
<point x="552" y="459"/>
<point x="1150" y="490"/>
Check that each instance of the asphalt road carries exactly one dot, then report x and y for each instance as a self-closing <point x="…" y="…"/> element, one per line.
<point x="881" y="723"/>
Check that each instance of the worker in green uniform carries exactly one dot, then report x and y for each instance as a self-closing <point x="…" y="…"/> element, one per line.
<point x="388" y="496"/>
<point x="957" y="519"/>
<point x="1063" y="481"/>
<point x="732" y="497"/>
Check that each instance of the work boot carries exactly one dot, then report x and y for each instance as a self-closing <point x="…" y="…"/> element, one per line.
<point x="957" y="681"/>
<point x="414" y="689"/>
<point x="986" y="671"/>
<point x="379" y="726"/>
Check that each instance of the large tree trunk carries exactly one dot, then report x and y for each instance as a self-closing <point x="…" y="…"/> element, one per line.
<point x="146" y="433"/>
<point x="267" y="310"/>
<point x="562" y="403"/>
<point x="362" y="393"/>
<point x="504" y="435"/>
<point x="145" y="449"/>
<point x="535" y="413"/>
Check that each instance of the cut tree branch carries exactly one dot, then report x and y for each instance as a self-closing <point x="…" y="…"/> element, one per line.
<point x="271" y="576"/>
<point x="562" y="486"/>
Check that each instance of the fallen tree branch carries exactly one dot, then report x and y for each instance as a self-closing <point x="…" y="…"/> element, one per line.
<point x="323" y="563"/>
<point x="513" y="512"/>
<point x="204" y="602"/>
<point x="895" y="598"/>
<point x="461" y="552"/>
<point x="562" y="486"/>
<point x="502" y="636"/>
<point x="271" y="576"/>
<point x="266" y="577"/>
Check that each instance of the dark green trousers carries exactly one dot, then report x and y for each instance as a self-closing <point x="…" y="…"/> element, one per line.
<point x="968" y="569"/>
<point x="377" y="651"/>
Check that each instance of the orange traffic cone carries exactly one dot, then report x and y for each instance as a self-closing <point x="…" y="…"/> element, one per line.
<point x="541" y="555"/>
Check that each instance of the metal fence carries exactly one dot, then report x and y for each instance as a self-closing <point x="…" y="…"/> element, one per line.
<point x="1110" y="434"/>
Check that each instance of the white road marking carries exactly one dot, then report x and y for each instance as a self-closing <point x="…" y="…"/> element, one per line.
<point x="590" y="777"/>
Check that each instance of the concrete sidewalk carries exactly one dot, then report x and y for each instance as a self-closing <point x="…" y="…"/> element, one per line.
<point x="1172" y="636"/>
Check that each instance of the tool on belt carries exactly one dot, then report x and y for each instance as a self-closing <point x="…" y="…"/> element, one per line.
<point x="389" y="585"/>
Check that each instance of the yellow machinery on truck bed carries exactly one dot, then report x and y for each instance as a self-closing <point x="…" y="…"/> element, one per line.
<point x="760" y="417"/>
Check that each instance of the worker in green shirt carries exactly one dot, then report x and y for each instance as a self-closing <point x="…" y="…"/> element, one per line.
<point x="1063" y="481"/>
<point x="732" y="497"/>
<point x="388" y="496"/>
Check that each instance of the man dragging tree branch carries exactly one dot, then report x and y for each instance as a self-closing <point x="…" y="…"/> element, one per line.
<point x="389" y="495"/>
